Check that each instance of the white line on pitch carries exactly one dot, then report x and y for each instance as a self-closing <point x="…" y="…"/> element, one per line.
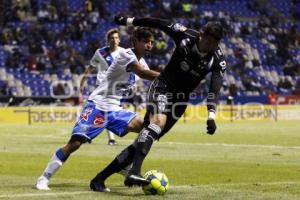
<point x="63" y="133"/>
<point x="229" y="145"/>
<point x="237" y="145"/>
<point x="43" y="194"/>
<point x="176" y="186"/>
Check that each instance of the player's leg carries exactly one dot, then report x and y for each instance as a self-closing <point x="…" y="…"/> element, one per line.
<point x="88" y="127"/>
<point x="111" y="138"/>
<point x="135" y="126"/>
<point x="155" y="120"/>
<point x="178" y="110"/>
<point x="119" y="163"/>
<point x="160" y="113"/>
<point x="124" y="159"/>
<point x="143" y="145"/>
<point x="58" y="158"/>
<point x="159" y="125"/>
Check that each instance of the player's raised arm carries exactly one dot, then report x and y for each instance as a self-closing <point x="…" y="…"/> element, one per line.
<point x="174" y="30"/>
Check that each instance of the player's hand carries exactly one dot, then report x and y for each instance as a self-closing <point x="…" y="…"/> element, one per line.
<point x="120" y="20"/>
<point x="211" y="126"/>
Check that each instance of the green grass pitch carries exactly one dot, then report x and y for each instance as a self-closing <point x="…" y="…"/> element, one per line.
<point x="243" y="160"/>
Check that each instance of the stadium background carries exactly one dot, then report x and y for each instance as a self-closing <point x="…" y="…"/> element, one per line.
<point x="45" y="45"/>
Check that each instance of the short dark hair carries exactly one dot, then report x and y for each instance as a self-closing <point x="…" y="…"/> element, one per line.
<point x="214" y="29"/>
<point x="110" y="32"/>
<point x="142" y="33"/>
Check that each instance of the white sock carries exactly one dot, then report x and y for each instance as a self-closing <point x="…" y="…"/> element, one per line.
<point x="110" y="135"/>
<point x="53" y="165"/>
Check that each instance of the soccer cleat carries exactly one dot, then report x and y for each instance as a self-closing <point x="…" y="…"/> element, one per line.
<point x="112" y="142"/>
<point x="133" y="179"/>
<point x="42" y="183"/>
<point x="98" y="186"/>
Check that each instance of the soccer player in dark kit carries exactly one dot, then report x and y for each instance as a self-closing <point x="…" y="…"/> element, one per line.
<point x="197" y="54"/>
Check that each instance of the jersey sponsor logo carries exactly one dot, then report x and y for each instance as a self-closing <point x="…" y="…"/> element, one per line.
<point x="109" y="59"/>
<point x="178" y="27"/>
<point x="99" y="120"/>
<point x="223" y="64"/>
<point x="86" y="113"/>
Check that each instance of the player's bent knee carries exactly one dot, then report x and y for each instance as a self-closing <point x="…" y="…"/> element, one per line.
<point x="136" y="125"/>
<point x="73" y="144"/>
<point x="78" y="139"/>
<point x="71" y="147"/>
<point x="160" y="120"/>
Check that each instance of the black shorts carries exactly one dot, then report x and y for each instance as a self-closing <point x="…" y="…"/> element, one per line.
<point x="162" y="99"/>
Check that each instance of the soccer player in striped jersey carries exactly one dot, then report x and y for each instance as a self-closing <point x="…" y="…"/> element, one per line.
<point x="103" y="109"/>
<point x="101" y="60"/>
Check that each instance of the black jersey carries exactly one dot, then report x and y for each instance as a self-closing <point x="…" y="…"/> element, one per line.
<point x="187" y="67"/>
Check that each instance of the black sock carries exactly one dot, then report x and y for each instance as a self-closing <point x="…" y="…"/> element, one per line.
<point x="143" y="146"/>
<point x="120" y="162"/>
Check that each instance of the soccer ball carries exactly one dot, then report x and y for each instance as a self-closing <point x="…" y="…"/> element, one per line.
<point x="159" y="183"/>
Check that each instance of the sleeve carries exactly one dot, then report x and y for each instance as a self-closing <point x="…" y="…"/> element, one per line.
<point x="144" y="63"/>
<point x="125" y="58"/>
<point x="98" y="61"/>
<point x="215" y="84"/>
<point x="175" y="30"/>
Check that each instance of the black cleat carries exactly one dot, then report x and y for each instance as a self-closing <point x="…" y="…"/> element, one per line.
<point x="133" y="179"/>
<point x="98" y="186"/>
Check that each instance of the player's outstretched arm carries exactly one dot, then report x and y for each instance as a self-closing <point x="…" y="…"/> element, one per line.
<point x="143" y="73"/>
<point x="172" y="29"/>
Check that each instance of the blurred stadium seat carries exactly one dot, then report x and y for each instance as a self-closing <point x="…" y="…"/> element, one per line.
<point x="262" y="43"/>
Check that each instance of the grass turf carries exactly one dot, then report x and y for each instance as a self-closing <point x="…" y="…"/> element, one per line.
<point x="243" y="160"/>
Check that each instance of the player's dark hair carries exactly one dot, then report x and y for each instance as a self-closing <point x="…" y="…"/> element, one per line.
<point x="142" y="33"/>
<point x="110" y="32"/>
<point x="214" y="29"/>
